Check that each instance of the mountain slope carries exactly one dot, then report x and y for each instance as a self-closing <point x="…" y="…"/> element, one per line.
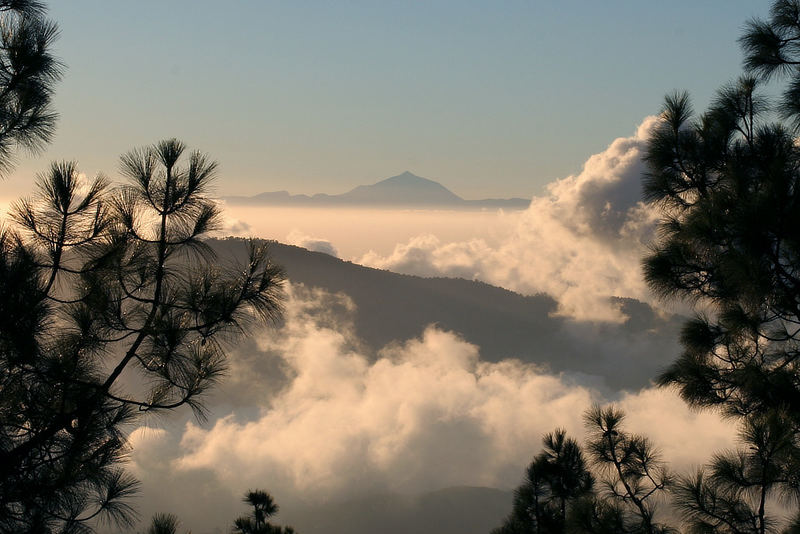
<point x="392" y="307"/>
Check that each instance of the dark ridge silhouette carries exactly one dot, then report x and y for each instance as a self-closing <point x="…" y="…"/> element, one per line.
<point x="459" y="510"/>
<point x="393" y="307"/>
<point x="403" y="190"/>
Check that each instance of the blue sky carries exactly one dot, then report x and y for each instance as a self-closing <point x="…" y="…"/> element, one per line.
<point x="489" y="98"/>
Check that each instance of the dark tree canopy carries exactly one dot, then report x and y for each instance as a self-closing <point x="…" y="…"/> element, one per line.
<point x="557" y="476"/>
<point x="727" y="183"/>
<point x="100" y="283"/>
<point x="264" y="508"/>
<point x="631" y="471"/>
<point x="28" y="72"/>
<point x="163" y="524"/>
<point x="733" y="493"/>
<point x="730" y="243"/>
<point x="613" y="489"/>
<point x="772" y="50"/>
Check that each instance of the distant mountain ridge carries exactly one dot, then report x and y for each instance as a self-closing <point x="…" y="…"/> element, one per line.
<point x="403" y="190"/>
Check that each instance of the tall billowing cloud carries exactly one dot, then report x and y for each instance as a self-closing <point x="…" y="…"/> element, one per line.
<point x="581" y="242"/>
<point x="413" y="419"/>
<point x="425" y="414"/>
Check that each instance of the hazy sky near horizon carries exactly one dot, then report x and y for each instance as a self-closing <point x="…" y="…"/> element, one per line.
<point x="490" y="99"/>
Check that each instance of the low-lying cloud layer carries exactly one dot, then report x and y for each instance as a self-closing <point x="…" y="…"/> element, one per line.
<point x="424" y="415"/>
<point x="581" y="242"/>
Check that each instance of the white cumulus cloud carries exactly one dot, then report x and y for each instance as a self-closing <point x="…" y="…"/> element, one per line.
<point x="581" y="242"/>
<point x="413" y="419"/>
<point x="426" y="414"/>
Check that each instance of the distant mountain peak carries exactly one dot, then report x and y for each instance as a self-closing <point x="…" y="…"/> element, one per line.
<point x="409" y="178"/>
<point x="405" y="189"/>
<point x="410" y="175"/>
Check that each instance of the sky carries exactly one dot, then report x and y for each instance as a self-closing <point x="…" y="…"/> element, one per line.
<point x="549" y="101"/>
<point x="490" y="99"/>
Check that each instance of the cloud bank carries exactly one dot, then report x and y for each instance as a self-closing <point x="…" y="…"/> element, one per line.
<point x="581" y="242"/>
<point x="426" y="414"/>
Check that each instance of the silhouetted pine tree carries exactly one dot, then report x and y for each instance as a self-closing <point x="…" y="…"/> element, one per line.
<point x="727" y="182"/>
<point x="730" y="496"/>
<point x="28" y="72"/>
<point x="264" y="507"/>
<point x="631" y="471"/>
<point x="98" y="284"/>
<point x="556" y="476"/>
<point x="561" y="492"/>
<point x="163" y="524"/>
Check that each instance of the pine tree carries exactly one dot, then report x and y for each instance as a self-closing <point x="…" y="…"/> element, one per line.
<point x="731" y="495"/>
<point x="631" y="471"/>
<point x="163" y="524"/>
<point x="103" y="283"/>
<point x="28" y="72"/>
<point x="727" y="184"/>
<point x="264" y="507"/>
<point x="557" y="476"/>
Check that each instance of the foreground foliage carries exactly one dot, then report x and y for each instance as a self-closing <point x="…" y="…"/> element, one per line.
<point x="727" y="183"/>
<point x="556" y="476"/>
<point x="728" y="186"/>
<point x="28" y="72"/>
<point x="264" y="507"/>
<point x="101" y="287"/>
<point x="163" y="524"/>
<point x="615" y="491"/>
